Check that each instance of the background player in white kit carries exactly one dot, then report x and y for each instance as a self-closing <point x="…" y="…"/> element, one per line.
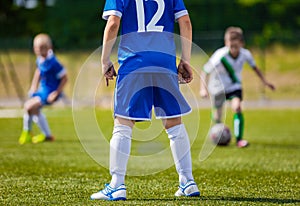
<point x="225" y="81"/>
<point x="147" y="77"/>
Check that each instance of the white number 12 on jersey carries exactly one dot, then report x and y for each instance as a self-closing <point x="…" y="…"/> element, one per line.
<point x="151" y="26"/>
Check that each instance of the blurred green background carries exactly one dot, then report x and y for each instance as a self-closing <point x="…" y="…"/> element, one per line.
<point x="77" y="24"/>
<point x="271" y="28"/>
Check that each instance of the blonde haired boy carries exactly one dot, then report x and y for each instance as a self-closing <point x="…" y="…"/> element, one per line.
<point x="47" y="85"/>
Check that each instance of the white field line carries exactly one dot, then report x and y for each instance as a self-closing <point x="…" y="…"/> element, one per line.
<point x="11" y="113"/>
<point x="256" y="104"/>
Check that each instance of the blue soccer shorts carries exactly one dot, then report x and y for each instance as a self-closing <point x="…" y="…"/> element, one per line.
<point x="43" y="95"/>
<point x="137" y="93"/>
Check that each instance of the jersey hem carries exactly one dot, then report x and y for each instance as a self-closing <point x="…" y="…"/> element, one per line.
<point x="180" y="14"/>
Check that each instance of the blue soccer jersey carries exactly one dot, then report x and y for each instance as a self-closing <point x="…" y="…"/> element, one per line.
<point x="147" y="33"/>
<point x="51" y="72"/>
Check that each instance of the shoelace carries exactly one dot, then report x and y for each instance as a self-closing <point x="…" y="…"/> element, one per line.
<point x="107" y="190"/>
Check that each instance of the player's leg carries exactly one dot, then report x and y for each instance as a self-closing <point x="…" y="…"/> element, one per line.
<point x="180" y="147"/>
<point x="238" y="121"/>
<point x="120" y="145"/>
<point x="218" y="102"/>
<point x="41" y="121"/>
<point x="130" y="104"/>
<point x="170" y="105"/>
<point x="31" y="108"/>
<point x="217" y="114"/>
<point x="34" y="108"/>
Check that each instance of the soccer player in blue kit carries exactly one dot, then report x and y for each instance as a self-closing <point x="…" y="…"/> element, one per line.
<point x="47" y="85"/>
<point x="148" y="77"/>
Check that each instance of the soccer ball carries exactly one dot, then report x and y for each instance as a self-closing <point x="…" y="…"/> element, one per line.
<point x="220" y="134"/>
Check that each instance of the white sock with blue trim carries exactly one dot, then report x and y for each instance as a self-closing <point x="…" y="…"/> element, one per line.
<point x="41" y="121"/>
<point x="180" y="146"/>
<point x="120" y="145"/>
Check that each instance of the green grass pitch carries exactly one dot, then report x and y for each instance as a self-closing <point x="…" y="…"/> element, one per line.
<point x="61" y="173"/>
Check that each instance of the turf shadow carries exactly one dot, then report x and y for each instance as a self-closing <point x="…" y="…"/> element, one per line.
<point x="218" y="198"/>
<point x="251" y="199"/>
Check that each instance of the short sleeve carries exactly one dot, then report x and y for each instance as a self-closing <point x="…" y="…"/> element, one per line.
<point x="58" y="69"/>
<point x="113" y="7"/>
<point x="179" y="9"/>
<point x="250" y="59"/>
<point x="215" y="59"/>
<point x="61" y="73"/>
<point x="208" y="67"/>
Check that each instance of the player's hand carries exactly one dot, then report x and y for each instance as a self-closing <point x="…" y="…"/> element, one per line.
<point x="52" y="97"/>
<point x="109" y="72"/>
<point x="185" y="72"/>
<point x="271" y="86"/>
<point x="31" y="92"/>
<point x="203" y="93"/>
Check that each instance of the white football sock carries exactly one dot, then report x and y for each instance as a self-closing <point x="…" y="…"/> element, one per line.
<point x="180" y="146"/>
<point x="27" y="122"/>
<point x="41" y="121"/>
<point x="120" y="145"/>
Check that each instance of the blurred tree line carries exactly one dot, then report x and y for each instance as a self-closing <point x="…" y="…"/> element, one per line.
<point x="77" y="24"/>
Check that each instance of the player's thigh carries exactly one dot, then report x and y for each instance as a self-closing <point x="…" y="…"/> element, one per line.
<point x="236" y="98"/>
<point x="133" y="96"/>
<point x="123" y="121"/>
<point x="168" y="100"/>
<point x="171" y="122"/>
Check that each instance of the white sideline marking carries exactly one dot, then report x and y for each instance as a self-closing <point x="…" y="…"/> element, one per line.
<point x="11" y="113"/>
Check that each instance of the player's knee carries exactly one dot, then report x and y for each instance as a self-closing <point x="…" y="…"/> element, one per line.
<point x="176" y="132"/>
<point x="33" y="105"/>
<point x="28" y="106"/>
<point x="123" y="121"/>
<point x="31" y="108"/>
<point x="236" y="106"/>
<point x="25" y="107"/>
<point x="237" y="109"/>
